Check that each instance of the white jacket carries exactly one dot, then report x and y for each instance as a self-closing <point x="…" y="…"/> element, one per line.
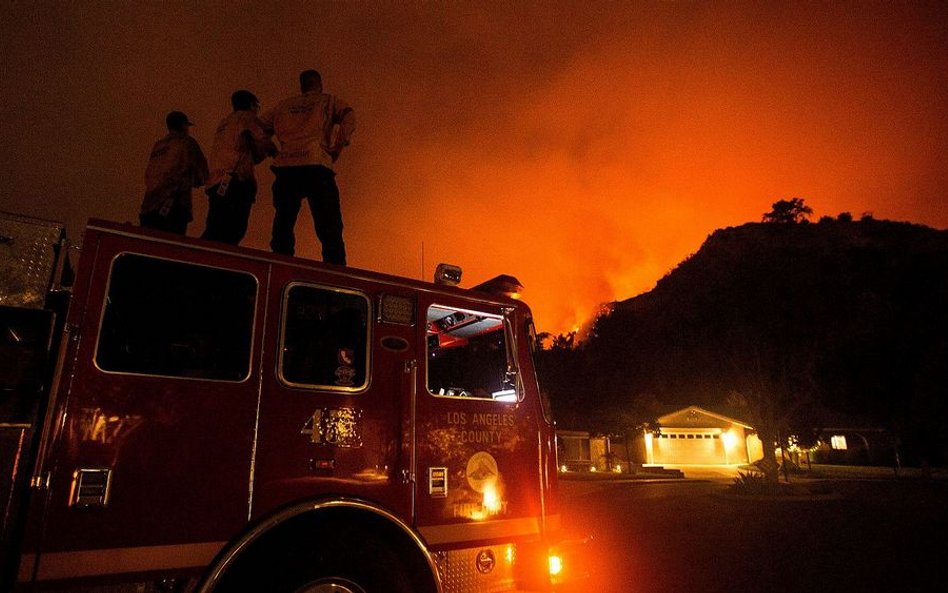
<point x="311" y="128"/>
<point x="232" y="152"/>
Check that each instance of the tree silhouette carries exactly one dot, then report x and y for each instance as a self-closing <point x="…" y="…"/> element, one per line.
<point x="788" y="211"/>
<point x="563" y="341"/>
<point x="805" y="325"/>
<point x="560" y="371"/>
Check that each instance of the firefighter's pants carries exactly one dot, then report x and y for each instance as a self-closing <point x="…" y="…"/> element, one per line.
<point x="318" y="185"/>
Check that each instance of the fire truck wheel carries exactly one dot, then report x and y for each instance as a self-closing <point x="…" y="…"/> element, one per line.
<point x="331" y="586"/>
<point x="354" y="562"/>
<point x="337" y="551"/>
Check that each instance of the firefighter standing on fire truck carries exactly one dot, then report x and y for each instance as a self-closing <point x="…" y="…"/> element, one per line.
<point x="240" y="142"/>
<point x="312" y="129"/>
<point x="175" y="166"/>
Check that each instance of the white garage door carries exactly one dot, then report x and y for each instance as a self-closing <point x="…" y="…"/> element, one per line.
<point x="688" y="448"/>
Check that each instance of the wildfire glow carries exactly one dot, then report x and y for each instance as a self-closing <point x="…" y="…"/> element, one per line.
<point x="588" y="172"/>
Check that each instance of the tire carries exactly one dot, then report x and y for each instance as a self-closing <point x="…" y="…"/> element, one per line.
<point x="331" y="585"/>
<point x="351" y="565"/>
<point x="352" y="562"/>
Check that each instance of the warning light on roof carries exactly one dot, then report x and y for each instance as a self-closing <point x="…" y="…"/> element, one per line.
<point x="447" y="274"/>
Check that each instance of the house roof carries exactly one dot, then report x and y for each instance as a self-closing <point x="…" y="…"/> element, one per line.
<point x="691" y="416"/>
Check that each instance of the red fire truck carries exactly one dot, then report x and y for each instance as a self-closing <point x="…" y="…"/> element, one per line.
<point x="188" y="416"/>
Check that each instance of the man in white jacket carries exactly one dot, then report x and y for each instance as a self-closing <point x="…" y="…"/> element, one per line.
<point x="312" y="129"/>
<point x="240" y="142"/>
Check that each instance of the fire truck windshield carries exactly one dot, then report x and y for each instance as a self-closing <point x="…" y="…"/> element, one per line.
<point x="467" y="355"/>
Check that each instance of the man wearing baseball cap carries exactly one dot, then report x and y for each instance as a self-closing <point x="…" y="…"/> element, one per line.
<point x="176" y="165"/>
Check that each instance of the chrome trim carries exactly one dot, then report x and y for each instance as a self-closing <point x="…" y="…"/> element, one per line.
<point x="513" y="351"/>
<point x="227" y="556"/>
<point x="413" y="449"/>
<point x="256" y="421"/>
<point x="464" y="571"/>
<point x="368" y="339"/>
<point x="101" y="496"/>
<point x="485" y="561"/>
<point x="544" y="480"/>
<point x="108" y="286"/>
<point x="438" y="482"/>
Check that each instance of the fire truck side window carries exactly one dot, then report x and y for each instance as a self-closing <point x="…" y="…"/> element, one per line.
<point x="324" y="338"/>
<point x="175" y="319"/>
<point x="467" y="355"/>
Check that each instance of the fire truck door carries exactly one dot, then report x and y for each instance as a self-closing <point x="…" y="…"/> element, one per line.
<point x="477" y="454"/>
<point x="156" y="433"/>
<point x="332" y="414"/>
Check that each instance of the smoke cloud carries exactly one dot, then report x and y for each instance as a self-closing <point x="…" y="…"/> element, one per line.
<point x="585" y="148"/>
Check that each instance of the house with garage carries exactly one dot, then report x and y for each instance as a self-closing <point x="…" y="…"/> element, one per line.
<point x="696" y="436"/>
<point x="687" y="436"/>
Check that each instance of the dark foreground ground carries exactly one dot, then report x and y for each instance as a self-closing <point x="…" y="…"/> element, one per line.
<point x="690" y="536"/>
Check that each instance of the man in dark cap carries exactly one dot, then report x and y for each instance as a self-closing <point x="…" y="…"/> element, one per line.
<point x="175" y="166"/>
<point x="312" y="129"/>
<point x="240" y="142"/>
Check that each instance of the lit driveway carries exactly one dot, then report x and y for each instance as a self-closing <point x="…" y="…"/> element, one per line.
<point x="707" y="472"/>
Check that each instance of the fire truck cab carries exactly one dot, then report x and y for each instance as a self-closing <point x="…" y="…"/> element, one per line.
<point x="189" y="416"/>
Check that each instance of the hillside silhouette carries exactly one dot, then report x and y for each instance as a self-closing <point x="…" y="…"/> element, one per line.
<point x="789" y="325"/>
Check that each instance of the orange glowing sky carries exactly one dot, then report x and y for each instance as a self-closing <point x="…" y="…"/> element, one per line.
<point x="584" y="147"/>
